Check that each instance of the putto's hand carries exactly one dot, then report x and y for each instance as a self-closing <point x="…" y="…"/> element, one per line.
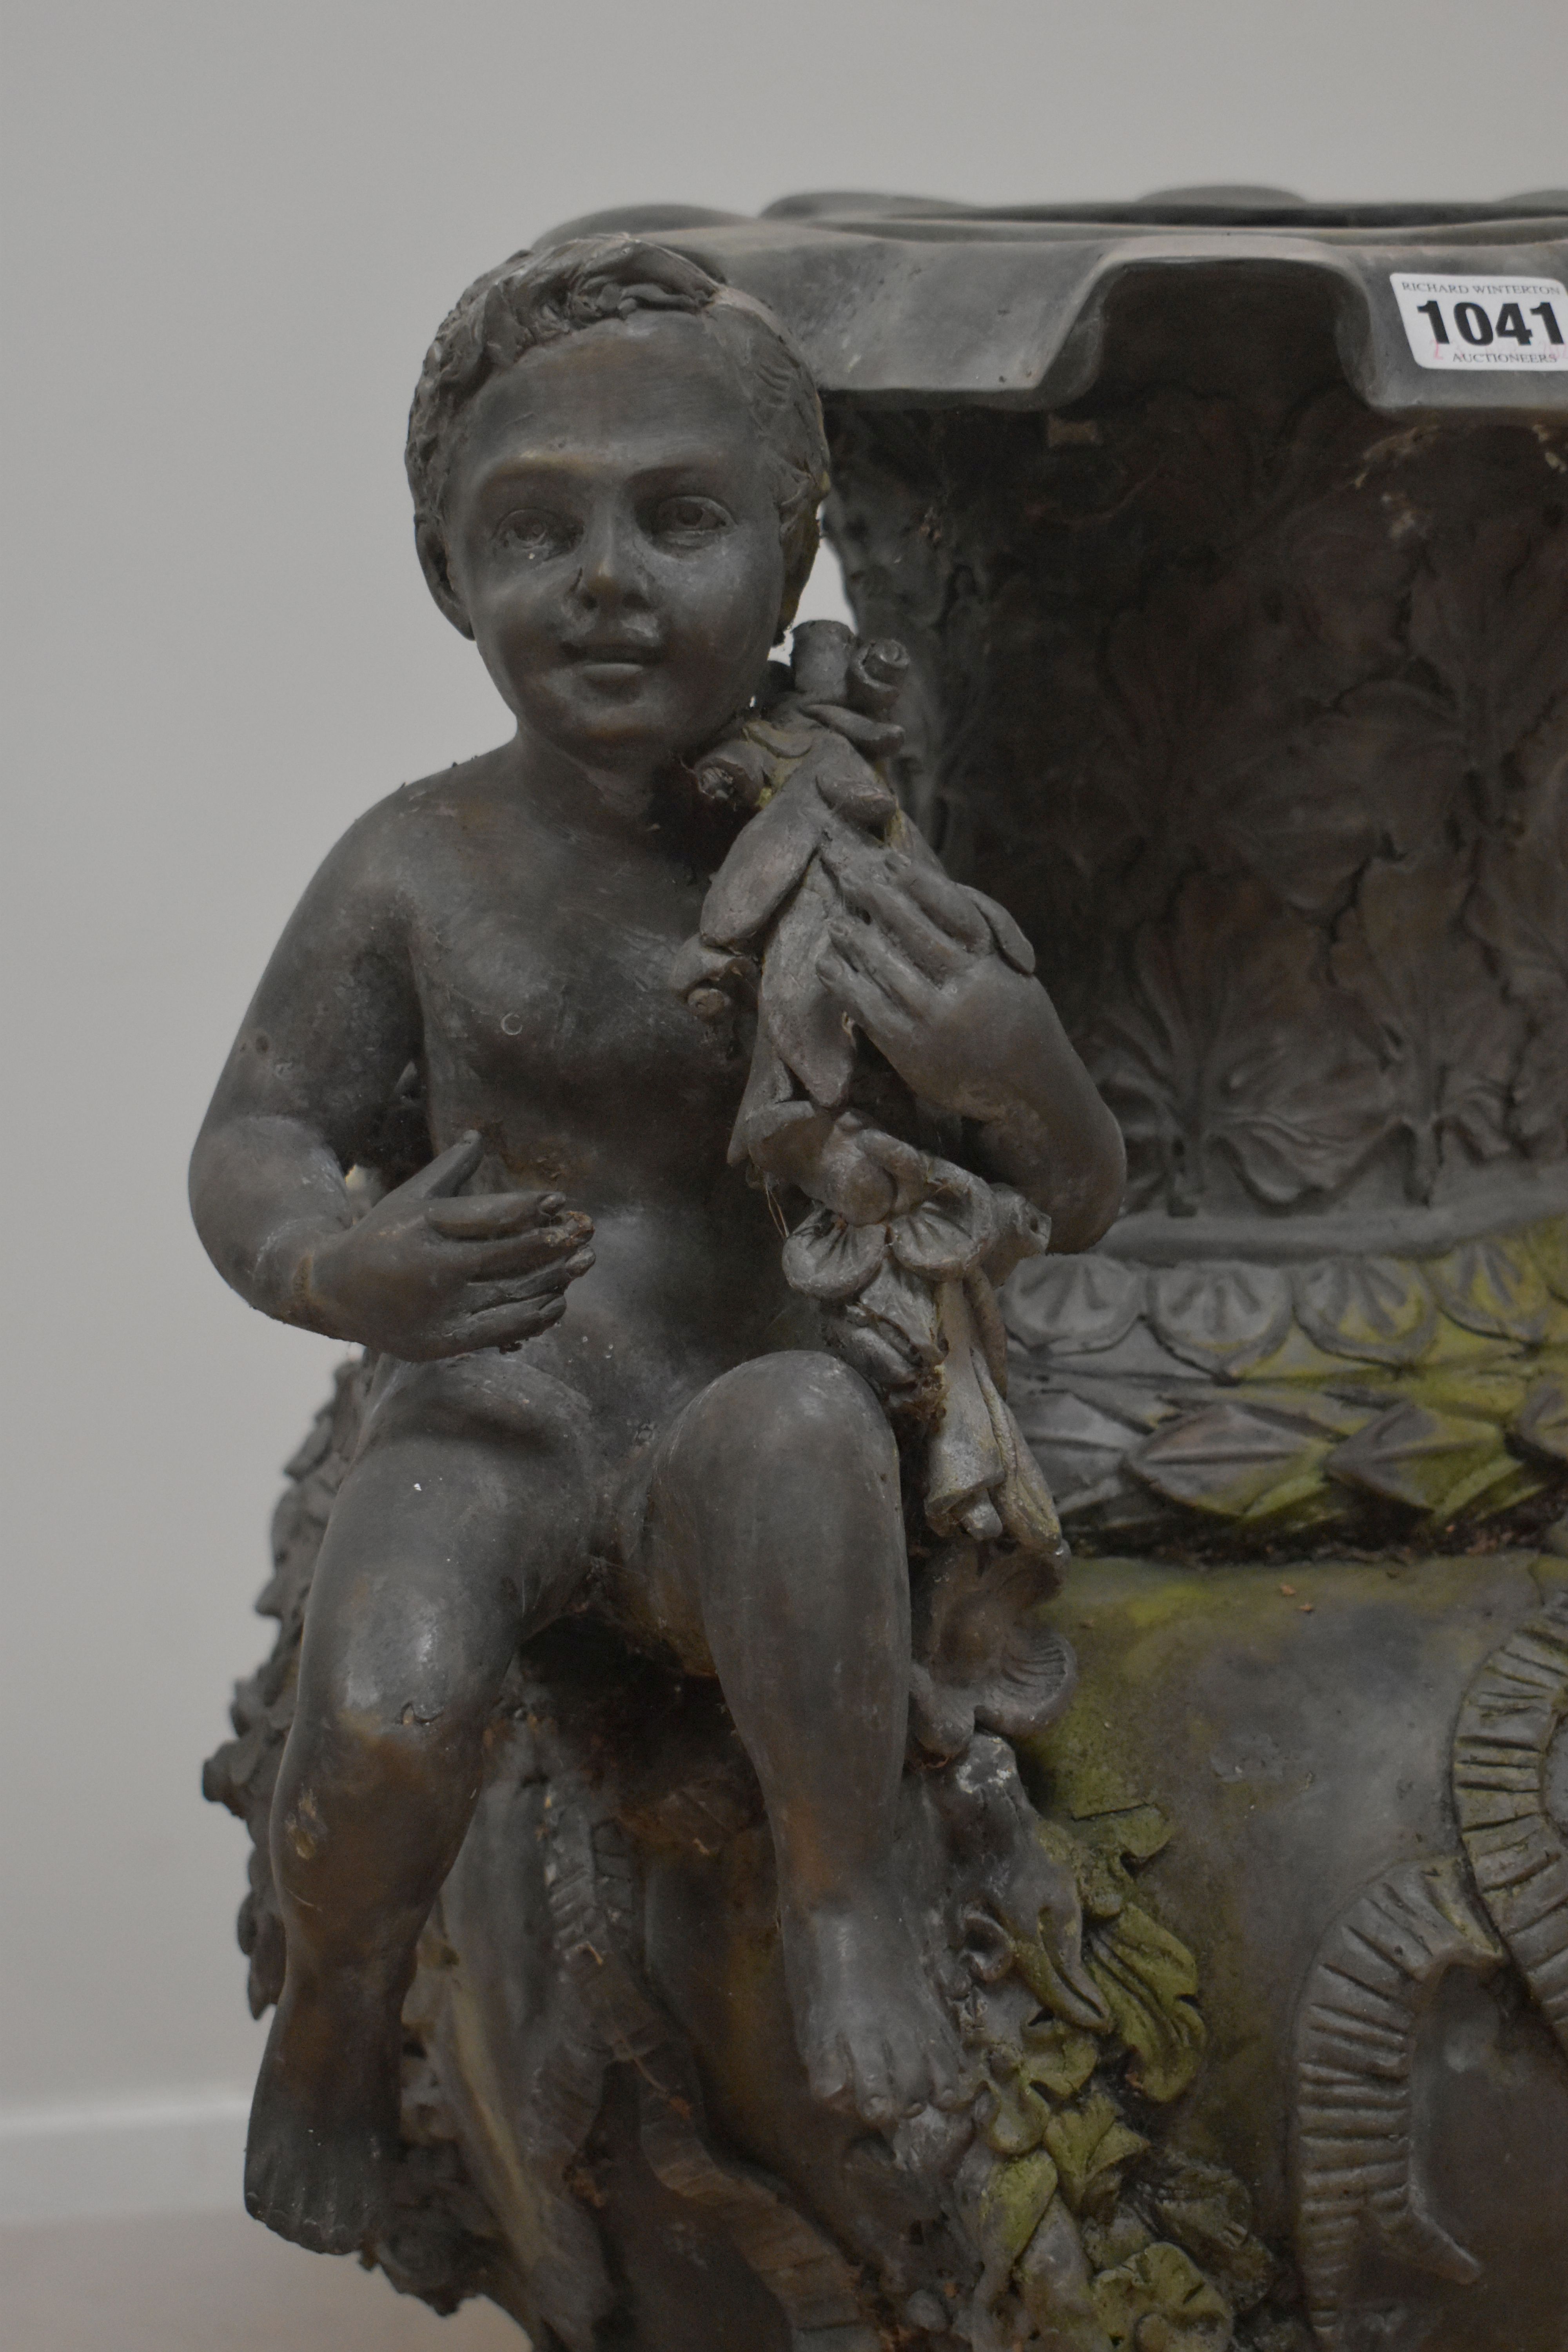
<point x="936" y="925"/>
<point x="425" y="1274"/>
<point x="917" y="968"/>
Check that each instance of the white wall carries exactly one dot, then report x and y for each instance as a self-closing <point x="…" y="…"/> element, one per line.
<point x="232" y="229"/>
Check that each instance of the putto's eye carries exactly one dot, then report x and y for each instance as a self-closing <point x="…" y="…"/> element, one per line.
<point x="688" y="520"/>
<point x="534" y="531"/>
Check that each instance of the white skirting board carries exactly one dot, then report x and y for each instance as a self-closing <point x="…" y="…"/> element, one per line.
<point x="180" y="2153"/>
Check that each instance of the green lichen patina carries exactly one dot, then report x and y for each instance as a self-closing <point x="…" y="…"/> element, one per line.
<point x="1413" y="1399"/>
<point x="1292" y="1723"/>
<point x="1130" y="2222"/>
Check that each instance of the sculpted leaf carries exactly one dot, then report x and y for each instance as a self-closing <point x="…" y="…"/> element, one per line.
<point x="1232" y="1046"/>
<point x="1208" y="2211"/>
<point x="1147" y="1977"/>
<point x="804" y="1024"/>
<point x="1014" y="2200"/>
<point x="1128" y="1833"/>
<point x="1433" y="1462"/>
<point x="1161" y="2281"/>
<point x="1058" y="2056"/>
<point x="1380" y="767"/>
<point x="1488" y="619"/>
<point x="1520" y="911"/>
<point x="1542" y="1422"/>
<point x="1474" y="1391"/>
<point x="1449" y="1038"/>
<point x="1228" y="1461"/>
<point x="764" y="866"/>
<point x="1223" y="1318"/>
<point x="1088" y="2143"/>
<point x="1077" y="1304"/>
<point x="1016" y="2124"/>
<point x="1442" y="656"/>
<point x="1378" y="1309"/>
<point x="1548" y="1243"/>
<point x="1376" y="745"/>
<point x="1076" y="1445"/>
<point x="1493" y="1286"/>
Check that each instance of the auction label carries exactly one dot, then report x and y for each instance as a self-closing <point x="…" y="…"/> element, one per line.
<point x="1483" y="322"/>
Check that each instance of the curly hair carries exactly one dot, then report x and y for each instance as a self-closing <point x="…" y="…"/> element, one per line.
<point x="525" y="304"/>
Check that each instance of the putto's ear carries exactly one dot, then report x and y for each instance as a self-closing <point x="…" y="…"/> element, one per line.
<point x="432" y="545"/>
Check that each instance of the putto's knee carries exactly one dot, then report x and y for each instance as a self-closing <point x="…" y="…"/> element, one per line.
<point x="370" y="1730"/>
<point x="800" y="1401"/>
<point x="404" y="1722"/>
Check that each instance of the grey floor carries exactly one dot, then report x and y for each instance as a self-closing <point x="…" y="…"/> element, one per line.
<point x="211" y="2282"/>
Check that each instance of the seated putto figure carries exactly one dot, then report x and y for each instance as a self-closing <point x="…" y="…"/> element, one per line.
<point x="616" y="465"/>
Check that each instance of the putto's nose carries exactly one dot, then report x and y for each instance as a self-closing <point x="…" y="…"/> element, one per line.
<point x="612" y="573"/>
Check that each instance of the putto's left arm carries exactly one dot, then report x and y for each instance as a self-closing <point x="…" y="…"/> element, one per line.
<point x="917" y="967"/>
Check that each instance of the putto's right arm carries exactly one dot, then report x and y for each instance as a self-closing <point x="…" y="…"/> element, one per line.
<point x="330" y="1031"/>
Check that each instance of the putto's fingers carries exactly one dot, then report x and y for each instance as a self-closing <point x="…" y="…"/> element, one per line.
<point x="475" y="1251"/>
<point x="484" y="1216"/>
<point x="871" y="952"/>
<point x="874" y="882"/>
<point x="1015" y="948"/>
<point x="935" y="951"/>
<point x="840" y="966"/>
<point x="522" y="1253"/>
<point x="545" y="1282"/>
<point x="877" y="1015"/>
<point x="508" y="1327"/>
<point x="447" y="1171"/>
<point x="950" y="907"/>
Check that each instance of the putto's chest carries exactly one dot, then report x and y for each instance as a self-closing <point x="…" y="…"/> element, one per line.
<point x="542" y="964"/>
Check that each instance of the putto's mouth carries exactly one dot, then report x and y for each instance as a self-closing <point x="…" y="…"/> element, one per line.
<point x="615" y="653"/>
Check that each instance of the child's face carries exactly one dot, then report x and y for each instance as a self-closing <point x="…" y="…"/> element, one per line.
<point x="613" y="536"/>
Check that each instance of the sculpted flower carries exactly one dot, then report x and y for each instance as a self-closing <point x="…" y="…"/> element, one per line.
<point x="1231" y="1049"/>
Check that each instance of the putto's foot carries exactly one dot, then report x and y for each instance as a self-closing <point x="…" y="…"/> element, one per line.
<point x="323" y="2125"/>
<point x="869" y="2027"/>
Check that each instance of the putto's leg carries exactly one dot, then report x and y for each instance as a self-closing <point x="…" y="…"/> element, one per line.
<point x="776" y="1500"/>
<point x="416" y="1606"/>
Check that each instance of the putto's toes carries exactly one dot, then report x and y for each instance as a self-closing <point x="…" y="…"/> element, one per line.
<point x="878" y="2092"/>
<point x="908" y="2077"/>
<point x="330" y="2201"/>
<point x="871" y="2030"/>
<point x="313" y="2173"/>
<point x="929" y="2073"/>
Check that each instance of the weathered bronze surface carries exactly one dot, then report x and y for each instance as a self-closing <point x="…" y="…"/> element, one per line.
<point x="701" y="1910"/>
